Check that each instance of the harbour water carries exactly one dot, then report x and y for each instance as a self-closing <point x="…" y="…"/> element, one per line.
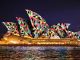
<point x="39" y="53"/>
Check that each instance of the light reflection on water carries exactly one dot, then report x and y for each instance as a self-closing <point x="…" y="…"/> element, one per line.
<point x="40" y="48"/>
<point x="39" y="52"/>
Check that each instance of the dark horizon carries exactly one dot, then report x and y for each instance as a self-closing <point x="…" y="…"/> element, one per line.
<point x="54" y="11"/>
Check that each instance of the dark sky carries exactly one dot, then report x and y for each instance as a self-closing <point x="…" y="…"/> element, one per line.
<point x="53" y="11"/>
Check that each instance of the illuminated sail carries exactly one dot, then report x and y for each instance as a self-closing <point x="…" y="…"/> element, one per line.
<point x="24" y="29"/>
<point x="11" y="27"/>
<point x="61" y="29"/>
<point x="38" y="23"/>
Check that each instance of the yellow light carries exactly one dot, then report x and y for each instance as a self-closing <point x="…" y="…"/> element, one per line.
<point x="14" y="42"/>
<point x="5" y="38"/>
<point x="29" y="43"/>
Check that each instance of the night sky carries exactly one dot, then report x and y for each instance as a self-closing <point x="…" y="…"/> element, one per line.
<point x="53" y="11"/>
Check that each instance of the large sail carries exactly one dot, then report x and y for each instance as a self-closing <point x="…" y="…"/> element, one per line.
<point x="24" y="29"/>
<point x="38" y="23"/>
<point x="11" y="27"/>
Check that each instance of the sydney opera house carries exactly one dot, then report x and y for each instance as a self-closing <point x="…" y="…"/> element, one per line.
<point x="38" y="32"/>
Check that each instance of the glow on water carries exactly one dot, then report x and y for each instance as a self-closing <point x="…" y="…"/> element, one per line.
<point x="40" y="47"/>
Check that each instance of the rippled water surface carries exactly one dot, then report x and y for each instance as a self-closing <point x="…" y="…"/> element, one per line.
<point x="39" y="53"/>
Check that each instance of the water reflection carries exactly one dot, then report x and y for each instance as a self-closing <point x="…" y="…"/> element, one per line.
<point x="39" y="53"/>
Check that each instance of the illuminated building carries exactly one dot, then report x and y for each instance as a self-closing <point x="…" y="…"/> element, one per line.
<point x="42" y="33"/>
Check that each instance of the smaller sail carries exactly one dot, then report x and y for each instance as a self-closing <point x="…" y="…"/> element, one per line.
<point x="12" y="28"/>
<point x="24" y="29"/>
<point x="64" y="26"/>
<point x="61" y="29"/>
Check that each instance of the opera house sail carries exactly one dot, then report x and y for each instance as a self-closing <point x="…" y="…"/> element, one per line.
<point x="38" y="23"/>
<point x="41" y="33"/>
<point x="11" y="27"/>
<point x="23" y="27"/>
